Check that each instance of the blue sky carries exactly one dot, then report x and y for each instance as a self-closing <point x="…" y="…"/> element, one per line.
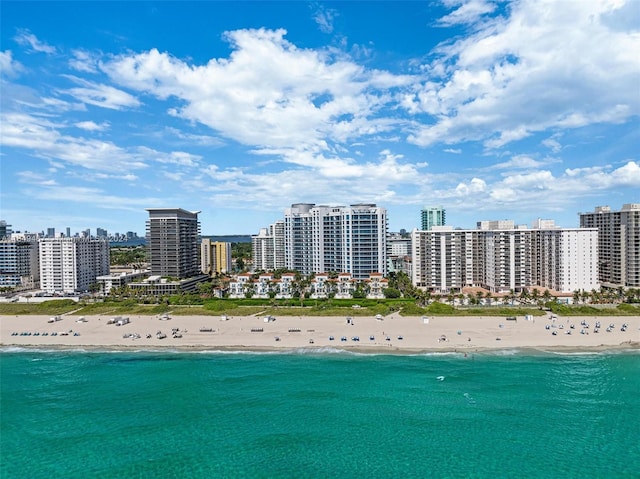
<point x="493" y="110"/>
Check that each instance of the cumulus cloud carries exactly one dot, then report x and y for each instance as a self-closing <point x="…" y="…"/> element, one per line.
<point x="543" y="65"/>
<point x="268" y="93"/>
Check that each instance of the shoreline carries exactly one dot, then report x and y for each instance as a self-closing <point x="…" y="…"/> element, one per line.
<point x="393" y="335"/>
<point x="626" y="348"/>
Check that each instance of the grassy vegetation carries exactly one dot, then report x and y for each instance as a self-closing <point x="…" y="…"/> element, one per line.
<point x="51" y="308"/>
<point x="582" y="310"/>
<point x="294" y="307"/>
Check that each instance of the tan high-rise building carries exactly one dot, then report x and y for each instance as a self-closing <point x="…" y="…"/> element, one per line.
<point x="618" y="244"/>
<point x="215" y="257"/>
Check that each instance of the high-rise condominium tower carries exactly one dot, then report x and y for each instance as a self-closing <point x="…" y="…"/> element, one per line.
<point x="173" y="242"/>
<point x="72" y="264"/>
<point x="432" y="216"/>
<point x="215" y="257"/>
<point x="344" y="239"/>
<point x="618" y="244"/>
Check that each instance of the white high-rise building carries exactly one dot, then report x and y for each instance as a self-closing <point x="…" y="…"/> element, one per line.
<point x="268" y="248"/>
<point x="72" y="264"/>
<point x="19" y="261"/>
<point x="344" y="239"/>
<point x="566" y="259"/>
<point x="501" y="258"/>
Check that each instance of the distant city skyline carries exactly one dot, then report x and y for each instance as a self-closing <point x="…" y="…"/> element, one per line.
<point x="494" y="110"/>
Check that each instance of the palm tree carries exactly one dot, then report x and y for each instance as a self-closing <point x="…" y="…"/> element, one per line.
<point x="489" y="297"/>
<point x="535" y="296"/>
<point x="576" y="296"/>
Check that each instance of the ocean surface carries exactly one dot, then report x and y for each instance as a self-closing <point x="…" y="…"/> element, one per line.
<point x="78" y="414"/>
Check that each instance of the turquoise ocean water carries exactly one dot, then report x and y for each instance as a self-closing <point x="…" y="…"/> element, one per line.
<point x="178" y="415"/>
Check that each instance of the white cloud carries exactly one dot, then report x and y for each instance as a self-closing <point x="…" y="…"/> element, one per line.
<point x="8" y="66"/>
<point x="42" y="136"/>
<point x="627" y="175"/>
<point x="455" y="151"/>
<point x="104" y="96"/>
<point x="519" y="161"/>
<point x="552" y="143"/>
<point x="25" y="38"/>
<point x="324" y="17"/>
<point x="544" y="65"/>
<point x="268" y="94"/>
<point x="468" y="11"/>
<point x="92" y="126"/>
<point x="84" y="61"/>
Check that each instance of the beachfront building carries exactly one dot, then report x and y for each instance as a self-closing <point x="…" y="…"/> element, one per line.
<point x="432" y="216"/>
<point x="345" y="286"/>
<point x="440" y="260"/>
<point x="215" y="257"/>
<point x="19" y="262"/>
<point x="502" y="257"/>
<point x="267" y="248"/>
<point x="173" y="248"/>
<point x="263" y="286"/>
<point x="561" y="254"/>
<point x="240" y="286"/>
<point x="376" y="284"/>
<point x="69" y="265"/>
<point x="115" y="281"/>
<point x="173" y="242"/>
<point x="618" y="244"/>
<point x="322" y="239"/>
<point x="284" y="286"/>
<point x="320" y="286"/>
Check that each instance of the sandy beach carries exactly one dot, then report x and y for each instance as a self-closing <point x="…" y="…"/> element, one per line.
<point x="392" y="334"/>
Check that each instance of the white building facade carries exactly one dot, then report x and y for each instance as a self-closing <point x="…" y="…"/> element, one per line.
<point x="68" y="265"/>
<point x="502" y="258"/>
<point x="19" y="262"/>
<point x="351" y="239"/>
<point x="267" y="248"/>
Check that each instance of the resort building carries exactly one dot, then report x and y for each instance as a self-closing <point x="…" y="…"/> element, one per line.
<point x="432" y="216"/>
<point x="322" y="239"/>
<point x="240" y="286"/>
<point x="284" y="286"/>
<point x="618" y="244"/>
<point x="173" y="242"/>
<point x="68" y="265"/>
<point x="19" y="262"/>
<point x="215" y="257"/>
<point x="376" y="284"/>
